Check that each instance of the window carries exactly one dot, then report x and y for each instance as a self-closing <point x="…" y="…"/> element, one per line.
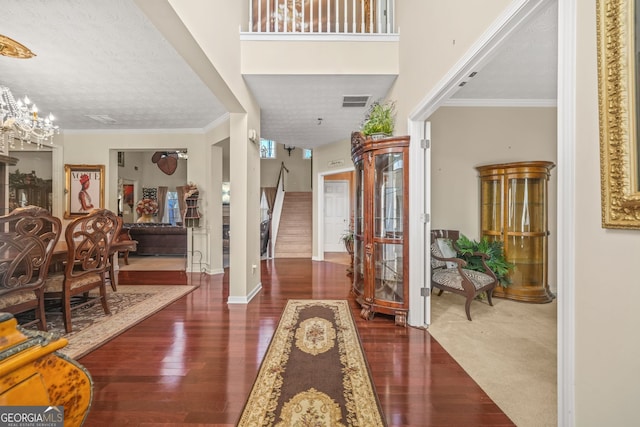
<point x="306" y="153"/>
<point x="172" y="209"/>
<point x="267" y="149"/>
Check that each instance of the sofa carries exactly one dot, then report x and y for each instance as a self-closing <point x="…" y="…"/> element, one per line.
<point x="158" y="238"/>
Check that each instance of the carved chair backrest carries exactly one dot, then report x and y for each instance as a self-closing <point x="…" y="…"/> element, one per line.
<point x="437" y="249"/>
<point x="89" y="240"/>
<point x="28" y="236"/>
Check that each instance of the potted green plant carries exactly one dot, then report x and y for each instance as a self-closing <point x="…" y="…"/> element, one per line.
<point x="496" y="261"/>
<point x="347" y="239"/>
<point x="380" y="119"/>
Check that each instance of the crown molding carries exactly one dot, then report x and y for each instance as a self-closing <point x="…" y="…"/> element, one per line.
<point x="458" y="102"/>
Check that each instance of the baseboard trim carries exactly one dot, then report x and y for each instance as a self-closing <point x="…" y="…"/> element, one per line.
<point x="248" y="298"/>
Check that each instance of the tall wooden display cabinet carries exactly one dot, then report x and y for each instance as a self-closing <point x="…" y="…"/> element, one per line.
<point x="513" y="209"/>
<point x="381" y="223"/>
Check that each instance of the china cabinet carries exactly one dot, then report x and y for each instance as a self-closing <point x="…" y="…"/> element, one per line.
<point x="381" y="247"/>
<point x="513" y="209"/>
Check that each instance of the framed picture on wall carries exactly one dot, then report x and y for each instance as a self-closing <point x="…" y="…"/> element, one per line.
<point x="121" y="158"/>
<point x="127" y="191"/>
<point x="84" y="189"/>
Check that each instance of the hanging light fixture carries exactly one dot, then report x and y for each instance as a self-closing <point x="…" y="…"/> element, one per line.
<point x="19" y="120"/>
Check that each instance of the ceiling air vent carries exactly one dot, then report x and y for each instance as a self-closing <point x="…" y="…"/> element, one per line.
<point x="102" y="118"/>
<point x="355" y="100"/>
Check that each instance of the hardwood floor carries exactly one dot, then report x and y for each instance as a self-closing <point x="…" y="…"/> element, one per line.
<point x="194" y="362"/>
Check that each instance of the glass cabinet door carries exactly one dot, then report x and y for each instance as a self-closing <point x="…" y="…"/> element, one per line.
<point x="491" y="206"/>
<point x="526" y="207"/>
<point x="388" y="204"/>
<point x="389" y="280"/>
<point x="388" y="196"/>
<point x="526" y="230"/>
<point x="358" y="228"/>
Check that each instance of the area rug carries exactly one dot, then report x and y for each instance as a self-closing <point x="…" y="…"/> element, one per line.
<point x="130" y="305"/>
<point x="314" y="372"/>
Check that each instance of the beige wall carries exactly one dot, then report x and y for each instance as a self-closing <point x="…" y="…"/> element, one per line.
<point x="607" y="315"/>
<point x="434" y="36"/>
<point x="101" y="149"/>
<point x="139" y="169"/>
<point x="297" y="179"/>
<point x="92" y="148"/>
<point x="463" y="138"/>
<point x="319" y="57"/>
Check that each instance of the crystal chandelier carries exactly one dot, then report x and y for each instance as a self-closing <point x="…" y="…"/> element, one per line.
<point x="19" y="120"/>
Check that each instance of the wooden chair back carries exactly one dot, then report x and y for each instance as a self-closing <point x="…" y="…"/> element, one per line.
<point x="448" y="272"/>
<point x="27" y="239"/>
<point x="89" y="240"/>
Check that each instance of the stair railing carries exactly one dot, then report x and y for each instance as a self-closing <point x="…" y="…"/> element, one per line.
<point x="277" y="209"/>
<point x="322" y="17"/>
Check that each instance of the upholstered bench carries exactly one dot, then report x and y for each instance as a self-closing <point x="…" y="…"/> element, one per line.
<point x="158" y="239"/>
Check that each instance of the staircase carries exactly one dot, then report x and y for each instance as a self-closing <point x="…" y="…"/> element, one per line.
<point x="294" y="232"/>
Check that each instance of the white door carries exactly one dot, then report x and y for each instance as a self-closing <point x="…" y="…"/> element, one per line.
<point x="336" y="214"/>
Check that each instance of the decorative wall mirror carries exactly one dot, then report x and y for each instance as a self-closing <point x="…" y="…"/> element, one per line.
<point x="618" y="65"/>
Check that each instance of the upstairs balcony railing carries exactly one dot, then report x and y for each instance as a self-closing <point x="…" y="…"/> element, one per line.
<point x="361" y="17"/>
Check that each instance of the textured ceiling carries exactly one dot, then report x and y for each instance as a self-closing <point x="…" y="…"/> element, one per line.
<point x="292" y="106"/>
<point x="97" y="57"/>
<point x="524" y="70"/>
<point x="105" y="58"/>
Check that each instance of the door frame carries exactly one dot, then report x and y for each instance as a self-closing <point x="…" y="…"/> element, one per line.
<point x="419" y="225"/>
<point x="320" y="210"/>
<point x="512" y="17"/>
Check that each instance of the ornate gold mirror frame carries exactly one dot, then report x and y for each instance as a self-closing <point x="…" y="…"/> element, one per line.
<point x="617" y="76"/>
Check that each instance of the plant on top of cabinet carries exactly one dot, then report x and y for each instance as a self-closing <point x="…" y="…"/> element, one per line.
<point x="380" y="119"/>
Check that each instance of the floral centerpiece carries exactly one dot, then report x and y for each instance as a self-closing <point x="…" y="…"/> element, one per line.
<point x="146" y="208"/>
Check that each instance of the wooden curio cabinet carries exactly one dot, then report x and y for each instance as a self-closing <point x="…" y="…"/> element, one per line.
<point x="513" y="209"/>
<point x="381" y="222"/>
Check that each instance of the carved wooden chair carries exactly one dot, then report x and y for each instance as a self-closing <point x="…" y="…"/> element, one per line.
<point x="123" y="243"/>
<point x="126" y="244"/>
<point x="448" y="272"/>
<point x="89" y="240"/>
<point x="27" y="239"/>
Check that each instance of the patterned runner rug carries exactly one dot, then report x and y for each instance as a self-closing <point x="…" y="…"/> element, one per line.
<point x="130" y="305"/>
<point x="314" y="372"/>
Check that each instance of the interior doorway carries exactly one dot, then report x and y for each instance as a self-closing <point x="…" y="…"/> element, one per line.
<point x="336" y="214"/>
<point x="324" y="179"/>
